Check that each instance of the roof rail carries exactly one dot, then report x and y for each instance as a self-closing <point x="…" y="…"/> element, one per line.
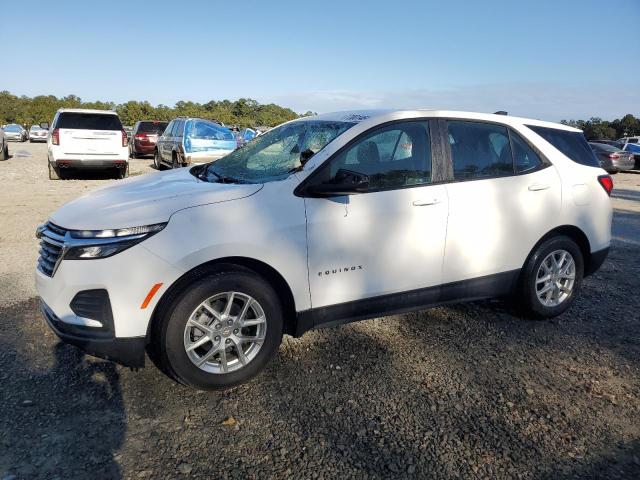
<point x="501" y="112"/>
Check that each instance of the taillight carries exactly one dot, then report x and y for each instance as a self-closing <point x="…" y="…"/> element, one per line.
<point x="55" y="137"/>
<point x="614" y="156"/>
<point x="125" y="142"/>
<point x="606" y="182"/>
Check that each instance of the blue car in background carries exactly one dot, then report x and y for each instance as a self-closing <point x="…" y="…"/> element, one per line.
<point x="192" y="140"/>
<point x="635" y="149"/>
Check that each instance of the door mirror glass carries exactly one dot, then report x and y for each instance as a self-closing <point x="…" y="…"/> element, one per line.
<point x="45" y="125"/>
<point x="345" y="182"/>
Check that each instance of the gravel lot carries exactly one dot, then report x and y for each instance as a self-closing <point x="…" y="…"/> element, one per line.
<point x="467" y="391"/>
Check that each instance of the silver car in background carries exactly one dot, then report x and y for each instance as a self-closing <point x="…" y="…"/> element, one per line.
<point x="14" y="132"/>
<point x="37" y="134"/>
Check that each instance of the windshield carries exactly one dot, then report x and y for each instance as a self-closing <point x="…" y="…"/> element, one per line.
<point x="276" y="154"/>
<point x="12" y="128"/>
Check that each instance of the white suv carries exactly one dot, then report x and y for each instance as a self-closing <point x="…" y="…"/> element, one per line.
<point x="321" y="221"/>
<point x="83" y="138"/>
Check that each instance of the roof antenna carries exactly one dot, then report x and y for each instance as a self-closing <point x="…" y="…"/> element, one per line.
<point x="501" y="112"/>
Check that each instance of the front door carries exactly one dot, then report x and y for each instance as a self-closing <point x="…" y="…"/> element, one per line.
<point x="389" y="239"/>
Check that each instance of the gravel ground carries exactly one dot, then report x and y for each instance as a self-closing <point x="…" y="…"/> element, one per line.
<point x="469" y="391"/>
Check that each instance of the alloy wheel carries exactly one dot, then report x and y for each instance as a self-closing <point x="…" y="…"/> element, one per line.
<point x="555" y="278"/>
<point x="225" y="332"/>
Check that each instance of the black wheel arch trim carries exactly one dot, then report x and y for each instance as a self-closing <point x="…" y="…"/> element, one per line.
<point x="267" y="272"/>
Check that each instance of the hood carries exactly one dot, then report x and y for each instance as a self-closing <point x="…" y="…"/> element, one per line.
<point x="145" y="200"/>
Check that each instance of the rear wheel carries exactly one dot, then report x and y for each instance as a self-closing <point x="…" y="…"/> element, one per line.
<point x="54" y="173"/>
<point x="5" y="153"/>
<point x="552" y="277"/>
<point x="221" y="330"/>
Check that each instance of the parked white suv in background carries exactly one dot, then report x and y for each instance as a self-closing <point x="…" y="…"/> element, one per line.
<point x="87" y="139"/>
<point x="321" y="221"/>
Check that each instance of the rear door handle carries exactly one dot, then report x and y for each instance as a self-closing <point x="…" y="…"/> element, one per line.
<point x="424" y="203"/>
<point x="538" y="186"/>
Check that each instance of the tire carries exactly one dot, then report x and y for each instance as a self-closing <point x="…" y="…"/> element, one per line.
<point x="532" y="284"/>
<point x="5" y="153"/>
<point x="156" y="160"/>
<point x="174" y="160"/>
<point x="54" y="173"/>
<point x="176" y="329"/>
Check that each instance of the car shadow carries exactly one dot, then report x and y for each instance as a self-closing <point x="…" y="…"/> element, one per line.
<point x="76" y="405"/>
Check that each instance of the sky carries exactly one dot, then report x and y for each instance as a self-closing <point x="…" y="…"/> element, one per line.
<point x="546" y="59"/>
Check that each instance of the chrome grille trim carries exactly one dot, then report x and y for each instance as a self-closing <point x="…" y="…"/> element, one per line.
<point x="52" y="247"/>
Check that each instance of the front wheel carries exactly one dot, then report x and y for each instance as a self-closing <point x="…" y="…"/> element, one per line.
<point x="221" y="330"/>
<point x="552" y="277"/>
<point x="4" y="155"/>
<point x="156" y="160"/>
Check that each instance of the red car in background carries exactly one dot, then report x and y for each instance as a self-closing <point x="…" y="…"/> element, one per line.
<point x="145" y="136"/>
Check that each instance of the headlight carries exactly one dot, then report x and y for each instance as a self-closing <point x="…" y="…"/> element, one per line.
<point x="91" y="244"/>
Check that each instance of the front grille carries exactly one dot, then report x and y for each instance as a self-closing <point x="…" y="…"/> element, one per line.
<point x="52" y="239"/>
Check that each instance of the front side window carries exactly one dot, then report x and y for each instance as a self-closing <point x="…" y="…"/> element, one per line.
<point x="169" y="130"/>
<point x="274" y="155"/>
<point x="479" y="150"/>
<point x="178" y="129"/>
<point x="525" y="158"/>
<point x="395" y="156"/>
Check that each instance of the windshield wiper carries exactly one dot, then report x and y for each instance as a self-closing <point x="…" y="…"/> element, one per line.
<point x="225" y="178"/>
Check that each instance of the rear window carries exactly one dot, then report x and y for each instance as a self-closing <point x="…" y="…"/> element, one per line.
<point x="571" y="144"/>
<point x="88" y="121"/>
<point x="152" y="127"/>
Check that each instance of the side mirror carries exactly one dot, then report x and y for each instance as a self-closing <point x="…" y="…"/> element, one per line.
<point x="44" y="125"/>
<point x="346" y="182"/>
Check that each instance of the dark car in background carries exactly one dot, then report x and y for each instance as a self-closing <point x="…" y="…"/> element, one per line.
<point x="144" y="137"/>
<point x="611" y="158"/>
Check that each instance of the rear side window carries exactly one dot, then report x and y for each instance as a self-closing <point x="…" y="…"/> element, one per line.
<point x="152" y="127"/>
<point x="525" y="158"/>
<point x="479" y="150"/>
<point x="571" y="144"/>
<point x="88" y="121"/>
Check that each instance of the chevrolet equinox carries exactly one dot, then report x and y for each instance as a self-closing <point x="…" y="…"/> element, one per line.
<point x="321" y="221"/>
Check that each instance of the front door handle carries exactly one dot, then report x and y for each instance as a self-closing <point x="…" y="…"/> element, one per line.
<point x="538" y="186"/>
<point x="424" y="203"/>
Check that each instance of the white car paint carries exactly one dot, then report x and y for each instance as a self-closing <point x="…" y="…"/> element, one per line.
<point x="378" y="243"/>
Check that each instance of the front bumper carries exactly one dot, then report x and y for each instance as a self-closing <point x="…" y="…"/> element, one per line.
<point x="127" y="277"/>
<point x="38" y="139"/>
<point x="595" y="261"/>
<point x="126" y="351"/>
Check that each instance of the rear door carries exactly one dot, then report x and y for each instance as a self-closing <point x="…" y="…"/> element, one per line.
<point x="90" y="133"/>
<point x="165" y="140"/>
<point x="503" y="197"/>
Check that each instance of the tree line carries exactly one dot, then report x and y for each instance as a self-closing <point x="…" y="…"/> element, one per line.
<point x="243" y="112"/>
<point x="597" y="129"/>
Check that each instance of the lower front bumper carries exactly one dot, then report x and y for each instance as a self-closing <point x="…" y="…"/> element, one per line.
<point x="127" y="351"/>
<point x="596" y="260"/>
